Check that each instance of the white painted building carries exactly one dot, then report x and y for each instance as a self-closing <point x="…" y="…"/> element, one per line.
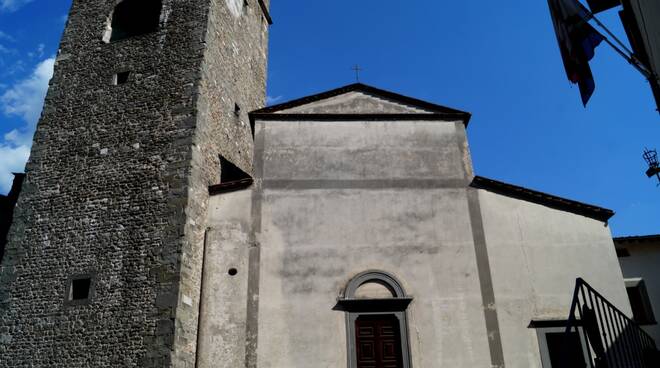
<point x="364" y="239"/>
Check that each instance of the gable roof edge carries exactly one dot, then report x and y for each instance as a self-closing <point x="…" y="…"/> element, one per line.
<point x="360" y="87"/>
<point x="638" y="239"/>
<point x="544" y="199"/>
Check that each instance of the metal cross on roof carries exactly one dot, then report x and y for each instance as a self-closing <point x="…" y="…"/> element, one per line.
<point x="357" y="70"/>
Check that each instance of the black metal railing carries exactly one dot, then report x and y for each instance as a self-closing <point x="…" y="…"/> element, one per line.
<point x="613" y="340"/>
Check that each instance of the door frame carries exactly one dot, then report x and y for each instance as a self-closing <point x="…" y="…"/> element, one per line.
<point x="355" y="308"/>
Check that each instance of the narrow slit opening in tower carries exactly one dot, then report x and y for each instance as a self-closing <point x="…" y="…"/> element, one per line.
<point x="135" y="17"/>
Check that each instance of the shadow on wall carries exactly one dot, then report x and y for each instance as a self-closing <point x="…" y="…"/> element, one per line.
<point x="7" y="204"/>
<point x="613" y="339"/>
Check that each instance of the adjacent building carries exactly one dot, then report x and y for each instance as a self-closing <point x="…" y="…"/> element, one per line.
<point x="639" y="257"/>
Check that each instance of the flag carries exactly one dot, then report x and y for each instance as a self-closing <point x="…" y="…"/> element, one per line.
<point x="598" y="6"/>
<point x="577" y="42"/>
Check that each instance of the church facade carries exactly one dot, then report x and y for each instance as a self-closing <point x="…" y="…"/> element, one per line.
<point x="161" y="225"/>
<point x="364" y="239"/>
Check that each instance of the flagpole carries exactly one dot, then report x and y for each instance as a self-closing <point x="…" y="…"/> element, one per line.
<point x="601" y="25"/>
<point x="634" y="62"/>
<point x="627" y="54"/>
<point x="630" y="56"/>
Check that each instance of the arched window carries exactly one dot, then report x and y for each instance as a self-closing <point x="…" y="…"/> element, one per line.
<point x="375" y="305"/>
<point x="133" y="18"/>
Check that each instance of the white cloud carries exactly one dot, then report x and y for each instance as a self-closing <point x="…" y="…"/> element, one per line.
<point x="26" y="97"/>
<point x="19" y="138"/>
<point x="6" y="37"/>
<point x="25" y="100"/>
<point x="13" y="160"/>
<point x="38" y="53"/>
<point x="12" y="69"/>
<point x="270" y="100"/>
<point x="12" y="5"/>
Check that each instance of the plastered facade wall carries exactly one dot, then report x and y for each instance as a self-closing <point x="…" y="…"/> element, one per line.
<point x="339" y="198"/>
<point x="333" y="199"/>
<point x="117" y="186"/>
<point x="223" y="313"/>
<point x="644" y="262"/>
<point x="536" y="253"/>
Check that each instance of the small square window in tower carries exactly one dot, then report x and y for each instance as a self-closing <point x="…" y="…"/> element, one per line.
<point x="121" y="78"/>
<point x="79" y="291"/>
<point x="135" y="17"/>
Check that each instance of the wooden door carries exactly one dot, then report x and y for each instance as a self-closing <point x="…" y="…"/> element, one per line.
<point x="378" y="342"/>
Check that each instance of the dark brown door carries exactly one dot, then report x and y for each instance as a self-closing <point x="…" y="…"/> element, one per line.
<point x="378" y="342"/>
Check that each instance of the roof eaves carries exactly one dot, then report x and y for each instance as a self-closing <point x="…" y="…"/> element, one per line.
<point x="266" y="12"/>
<point x="638" y="239"/>
<point x="548" y="200"/>
<point x="359" y="87"/>
<point x="231" y="186"/>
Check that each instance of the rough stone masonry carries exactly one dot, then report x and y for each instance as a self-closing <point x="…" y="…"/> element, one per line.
<point x="117" y="184"/>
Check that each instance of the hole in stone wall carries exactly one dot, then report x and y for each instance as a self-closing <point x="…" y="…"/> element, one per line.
<point x="237" y="110"/>
<point x="232" y="272"/>
<point x="121" y="78"/>
<point x="135" y="17"/>
<point x="230" y="172"/>
<point x="80" y="289"/>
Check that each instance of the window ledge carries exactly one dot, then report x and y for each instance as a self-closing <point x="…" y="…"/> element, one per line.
<point x="373" y="305"/>
<point x="130" y="38"/>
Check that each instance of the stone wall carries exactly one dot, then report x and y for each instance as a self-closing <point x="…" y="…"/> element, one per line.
<point x="116" y="187"/>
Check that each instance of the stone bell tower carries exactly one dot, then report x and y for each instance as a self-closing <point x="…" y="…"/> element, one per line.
<point x="103" y="263"/>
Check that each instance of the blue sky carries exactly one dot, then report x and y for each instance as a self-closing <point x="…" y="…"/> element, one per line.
<point x="497" y="60"/>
